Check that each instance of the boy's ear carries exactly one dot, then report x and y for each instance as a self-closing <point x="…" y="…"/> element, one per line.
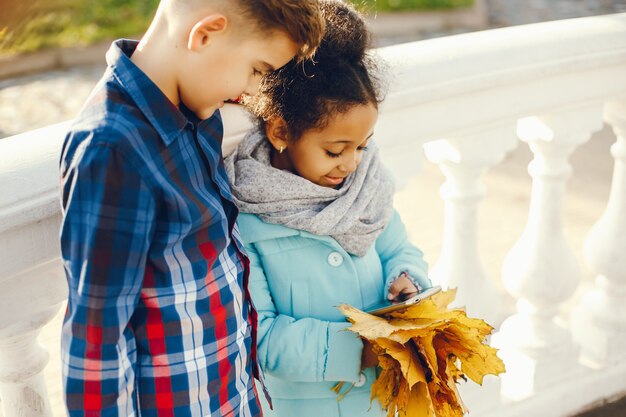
<point x="202" y="32"/>
<point x="277" y="133"/>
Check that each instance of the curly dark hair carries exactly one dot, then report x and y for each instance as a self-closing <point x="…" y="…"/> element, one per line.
<point x="341" y="75"/>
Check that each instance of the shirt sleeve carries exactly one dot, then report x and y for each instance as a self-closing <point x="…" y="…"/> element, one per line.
<point x="307" y="349"/>
<point x="399" y="255"/>
<point x="108" y="219"/>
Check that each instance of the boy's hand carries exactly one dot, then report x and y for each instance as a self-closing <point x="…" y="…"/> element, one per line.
<point x="368" y="358"/>
<point x="401" y="289"/>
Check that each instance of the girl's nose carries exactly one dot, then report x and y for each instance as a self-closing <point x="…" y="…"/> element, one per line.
<point x="350" y="164"/>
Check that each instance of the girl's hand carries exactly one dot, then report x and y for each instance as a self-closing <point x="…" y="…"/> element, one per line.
<point x="369" y="359"/>
<point x="401" y="289"/>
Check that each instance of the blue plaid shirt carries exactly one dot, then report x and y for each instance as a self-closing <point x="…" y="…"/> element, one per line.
<point x="159" y="321"/>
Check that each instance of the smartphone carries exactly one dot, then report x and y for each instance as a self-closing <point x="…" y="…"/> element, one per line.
<point x="385" y="307"/>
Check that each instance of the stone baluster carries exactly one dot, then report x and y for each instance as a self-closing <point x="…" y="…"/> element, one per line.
<point x="28" y="301"/>
<point x="541" y="271"/>
<point x="463" y="159"/>
<point x="22" y="361"/>
<point x="599" y="320"/>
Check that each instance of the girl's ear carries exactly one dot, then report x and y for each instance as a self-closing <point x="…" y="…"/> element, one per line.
<point x="277" y="133"/>
<point x="203" y="32"/>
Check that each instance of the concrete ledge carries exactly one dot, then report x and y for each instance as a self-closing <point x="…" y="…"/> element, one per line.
<point x="12" y="66"/>
<point x="61" y="58"/>
<point x="74" y="56"/>
<point x="475" y="17"/>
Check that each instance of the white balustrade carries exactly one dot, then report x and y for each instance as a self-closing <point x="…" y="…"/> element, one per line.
<point x="32" y="285"/>
<point x="458" y="98"/>
<point x="22" y="361"/>
<point x="600" y="319"/>
<point x="541" y="271"/>
<point x="463" y="163"/>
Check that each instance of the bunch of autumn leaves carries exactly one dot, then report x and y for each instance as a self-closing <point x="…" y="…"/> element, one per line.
<point x="423" y="352"/>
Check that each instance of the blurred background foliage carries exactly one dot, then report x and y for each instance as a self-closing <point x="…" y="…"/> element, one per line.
<point x="393" y="5"/>
<point x="31" y="25"/>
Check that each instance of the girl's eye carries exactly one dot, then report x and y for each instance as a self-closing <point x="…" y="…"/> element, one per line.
<point x="256" y="72"/>
<point x="362" y="148"/>
<point x="333" y="155"/>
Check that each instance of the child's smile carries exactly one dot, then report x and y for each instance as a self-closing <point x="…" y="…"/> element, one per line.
<point x="326" y="156"/>
<point x="334" y="180"/>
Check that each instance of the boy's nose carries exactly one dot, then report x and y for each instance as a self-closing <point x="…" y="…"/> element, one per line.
<point x="253" y="86"/>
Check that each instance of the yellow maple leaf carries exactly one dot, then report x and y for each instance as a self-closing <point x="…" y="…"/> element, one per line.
<point x="387" y="386"/>
<point x="366" y="325"/>
<point x="419" y="403"/>
<point x="423" y="352"/>
<point x="409" y="363"/>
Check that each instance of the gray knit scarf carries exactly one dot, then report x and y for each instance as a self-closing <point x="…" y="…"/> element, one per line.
<point x="354" y="214"/>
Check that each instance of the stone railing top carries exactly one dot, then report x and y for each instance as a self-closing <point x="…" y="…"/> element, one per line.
<point x="459" y="85"/>
<point x="455" y="65"/>
<point x="28" y="188"/>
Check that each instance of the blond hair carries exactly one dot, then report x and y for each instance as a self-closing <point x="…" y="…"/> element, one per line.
<point x="300" y="20"/>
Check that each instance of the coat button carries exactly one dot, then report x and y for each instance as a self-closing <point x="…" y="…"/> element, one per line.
<point x="361" y="381"/>
<point x="335" y="259"/>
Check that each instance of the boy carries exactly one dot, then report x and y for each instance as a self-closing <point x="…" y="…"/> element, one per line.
<point x="159" y="321"/>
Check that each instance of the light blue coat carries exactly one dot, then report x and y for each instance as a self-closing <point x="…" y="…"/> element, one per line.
<point x="297" y="279"/>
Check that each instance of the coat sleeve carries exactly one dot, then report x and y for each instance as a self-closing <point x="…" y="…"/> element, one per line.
<point x="308" y="349"/>
<point x="398" y="255"/>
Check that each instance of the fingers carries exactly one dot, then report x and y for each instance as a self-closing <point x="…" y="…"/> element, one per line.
<point x="401" y="289"/>
<point x="394" y="290"/>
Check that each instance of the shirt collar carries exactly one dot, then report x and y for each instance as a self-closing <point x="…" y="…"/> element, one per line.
<point x="166" y="118"/>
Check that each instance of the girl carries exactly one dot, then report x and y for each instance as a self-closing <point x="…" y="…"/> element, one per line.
<point x="318" y="224"/>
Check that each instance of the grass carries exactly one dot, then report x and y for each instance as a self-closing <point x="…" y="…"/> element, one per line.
<point x="32" y="25"/>
<point x="41" y="24"/>
<point x="394" y="5"/>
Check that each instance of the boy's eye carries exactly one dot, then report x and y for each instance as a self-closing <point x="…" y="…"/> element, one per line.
<point x="256" y="72"/>
<point x="333" y="155"/>
<point x="362" y="148"/>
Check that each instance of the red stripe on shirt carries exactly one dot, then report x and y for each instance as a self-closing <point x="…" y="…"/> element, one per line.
<point x="155" y="333"/>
